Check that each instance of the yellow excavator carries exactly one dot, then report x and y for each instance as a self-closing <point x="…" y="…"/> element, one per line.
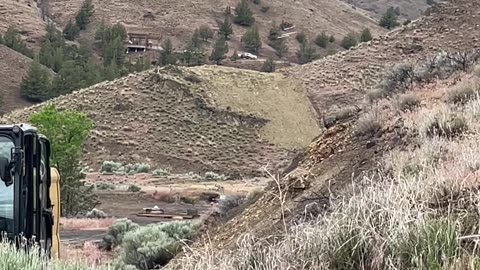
<point x="29" y="190"/>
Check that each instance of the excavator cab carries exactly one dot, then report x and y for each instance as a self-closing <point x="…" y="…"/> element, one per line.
<point x="29" y="189"/>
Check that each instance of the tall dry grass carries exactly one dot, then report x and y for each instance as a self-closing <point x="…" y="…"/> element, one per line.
<point x="420" y="211"/>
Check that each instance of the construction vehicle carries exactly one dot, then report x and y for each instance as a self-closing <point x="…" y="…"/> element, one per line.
<point x="29" y="190"/>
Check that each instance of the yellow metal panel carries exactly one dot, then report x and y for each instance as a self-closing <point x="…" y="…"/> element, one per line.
<point x="55" y="198"/>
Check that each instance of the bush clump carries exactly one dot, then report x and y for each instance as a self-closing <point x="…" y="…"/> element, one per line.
<point x="118" y="230"/>
<point x="448" y="127"/>
<point x="369" y="123"/>
<point x="212" y="176"/>
<point x="407" y="101"/>
<point x="160" y="173"/>
<point x="464" y="92"/>
<point x="134" y="188"/>
<point x="111" y="167"/>
<point x="96" y="214"/>
<point x="154" y="245"/>
<point x="104" y="186"/>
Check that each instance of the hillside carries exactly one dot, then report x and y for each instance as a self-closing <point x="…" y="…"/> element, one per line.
<point x="409" y="9"/>
<point x="13" y="67"/>
<point x="197" y="119"/>
<point x="179" y="20"/>
<point x="25" y="16"/>
<point x="336" y="181"/>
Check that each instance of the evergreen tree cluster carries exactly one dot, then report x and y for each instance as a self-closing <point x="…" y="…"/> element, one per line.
<point x="73" y="28"/>
<point x="390" y="18"/>
<point x="243" y="14"/>
<point x="75" y="68"/>
<point x="276" y="42"/>
<point x="13" y="40"/>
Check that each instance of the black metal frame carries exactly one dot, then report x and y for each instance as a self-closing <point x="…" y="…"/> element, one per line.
<point x="33" y="219"/>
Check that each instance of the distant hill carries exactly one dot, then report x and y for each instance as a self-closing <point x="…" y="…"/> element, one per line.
<point x="178" y="20"/>
<point x="409" y="9"/>
<point x="194" y="119"/>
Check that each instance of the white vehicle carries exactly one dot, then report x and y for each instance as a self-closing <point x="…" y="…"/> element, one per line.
<point x="247" y="55"/>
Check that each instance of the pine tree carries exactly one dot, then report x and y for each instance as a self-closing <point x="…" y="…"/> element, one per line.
<point x="306" y="53"/>
<point x="195" y="41"/>
<point x="322" y="40"/>
<point x="366" y="35"/>
<point x="251" y="40"/>
<point x="243" y="14"/>
<point x="71" y="31"/>
<point x="36" y="85"/>
<point x="166" y="56"/>
<point x="219" y="50"/>
<point x="389" y="19"/>
<point x="226" y="29"/>
<point x="349" y="41"/>
<point x="83" y="16"/>
<point x="205" y="32"/>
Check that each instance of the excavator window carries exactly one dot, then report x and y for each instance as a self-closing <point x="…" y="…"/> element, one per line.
<point x="6" y="192"/>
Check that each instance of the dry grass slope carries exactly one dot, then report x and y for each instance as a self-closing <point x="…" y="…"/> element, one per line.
<point x="185" y="120"/>
<point x="13" y="67"/>
<point x="25" y="16"/>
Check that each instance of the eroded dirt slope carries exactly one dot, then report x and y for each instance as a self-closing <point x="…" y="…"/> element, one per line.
<point x="409" y="9"/>
<point x="337" y="157"/>
<point x="196" y="120"/>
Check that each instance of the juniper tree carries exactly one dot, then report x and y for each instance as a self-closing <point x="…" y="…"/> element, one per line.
<point x="243" y="14"/>
<point x="226" y="29"/>
<point x="322" y="40"/>
<point x="219" y="50"/>
<point x="251" y="40"/>
<point x="35" y="86"/>
<point x="366" y="35"/>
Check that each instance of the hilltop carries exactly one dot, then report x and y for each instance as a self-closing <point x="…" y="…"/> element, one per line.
<point x="178" y="20"/>
<point x="336" y="185"/>
<point x="194" y="119"/>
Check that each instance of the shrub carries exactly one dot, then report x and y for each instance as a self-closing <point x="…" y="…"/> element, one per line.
<point x="264" y="9"/>
<point x="369" y="123"/>
<point x="399" y="78"/>
<point x="96" y="214"/>
<point x="226" y="204"/>
<point x="464" y="92"/>
<point x="117" y="232"/>
<point x="154" y="245"/>
<point x="104" y="186"/>
<point x="322" y="40"/>
<point x="134" y="188"/>
<point x="257" y="2"/>
<point x="301" y="37"/>
<point x="212" y="176"/>
<point x="349" y="41"/>
<point x="366" y="35"/>
<point x="110" y="166"/>
<point x="268" y="65"/>
<point x="160" y="173"/>
<point x="447" y="126"/>
<point x="407" y="101"/>
<point x="225" y="28"/>
<point x="375" y="93"/>
<point x="331" y="39"/>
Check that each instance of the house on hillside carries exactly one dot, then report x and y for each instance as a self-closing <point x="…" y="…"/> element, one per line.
<point x="141" y="42"/>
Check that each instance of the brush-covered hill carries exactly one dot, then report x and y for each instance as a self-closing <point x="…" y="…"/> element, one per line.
<point x="178" y="20"/>
<point x="13" y="67"/>
<point x="194" y="119"/>
<point x="394" y="167"/>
